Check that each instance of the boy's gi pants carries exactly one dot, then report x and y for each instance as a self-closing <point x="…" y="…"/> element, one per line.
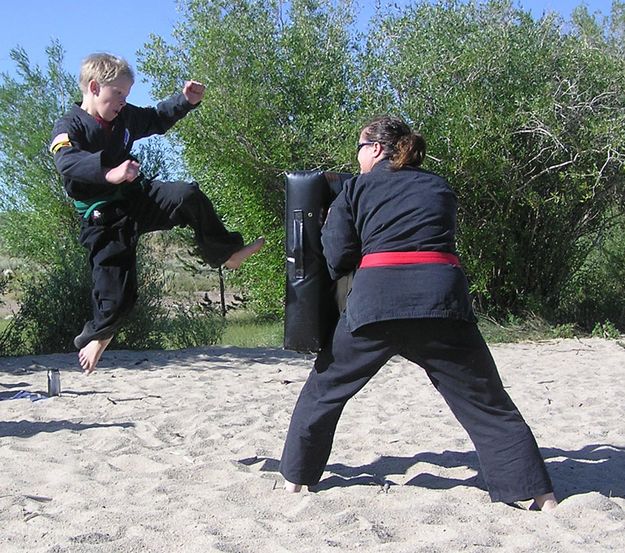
<point x="111" y="235"/>
<point x="458" y="363"/>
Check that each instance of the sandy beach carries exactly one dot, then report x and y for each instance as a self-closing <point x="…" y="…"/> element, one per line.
<point x="178" y="451"/>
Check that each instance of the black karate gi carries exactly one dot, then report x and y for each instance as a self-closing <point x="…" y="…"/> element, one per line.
<point x="421" y="312"/>
<point x="114" y="216"/>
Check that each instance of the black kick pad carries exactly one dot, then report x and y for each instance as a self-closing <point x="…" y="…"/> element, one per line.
<point x="311" y="309"/>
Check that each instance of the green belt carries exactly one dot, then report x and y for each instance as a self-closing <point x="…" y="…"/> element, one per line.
<point x="86" y="207"/>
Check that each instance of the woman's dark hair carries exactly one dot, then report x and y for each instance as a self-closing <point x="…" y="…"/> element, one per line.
<point x="402" y="146"/>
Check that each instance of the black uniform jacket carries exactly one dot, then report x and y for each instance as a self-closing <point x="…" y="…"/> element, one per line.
<point x="88" y="149"/>
<point x="390" y="211"/>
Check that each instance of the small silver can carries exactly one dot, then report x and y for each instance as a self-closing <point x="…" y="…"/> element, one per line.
<point x="54" y="382"/>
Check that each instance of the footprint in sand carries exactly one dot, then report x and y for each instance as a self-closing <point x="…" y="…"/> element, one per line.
<point x="137" y="464"/>
<point x="146" y="432"/>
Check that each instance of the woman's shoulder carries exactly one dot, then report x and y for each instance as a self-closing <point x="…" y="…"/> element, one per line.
<point x="435" y="180"/>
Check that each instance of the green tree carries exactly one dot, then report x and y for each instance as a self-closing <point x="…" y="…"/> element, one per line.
<point x="38" y="222"/>
<point x="595" y="291"/>
<point x="524" y="116"/>
<point x="280" y="96"/>
<point x="526" y="119"/>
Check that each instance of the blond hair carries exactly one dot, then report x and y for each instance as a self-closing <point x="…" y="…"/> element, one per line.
<point x="104" y="69"/>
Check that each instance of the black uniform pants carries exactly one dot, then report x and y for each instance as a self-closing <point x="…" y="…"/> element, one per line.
<point x="458" y="363"/>
<point x="112" y="233"/>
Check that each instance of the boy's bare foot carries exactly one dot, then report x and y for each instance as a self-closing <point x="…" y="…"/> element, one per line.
<point x="91" y="353"/>
<point x="239" y="257"/>
<point x="292" y="488"/>
<point x="545" y="502"/>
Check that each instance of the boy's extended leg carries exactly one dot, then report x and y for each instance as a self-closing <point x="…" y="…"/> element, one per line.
<point x="183" y="204"/>
<point x="235" y="260"/>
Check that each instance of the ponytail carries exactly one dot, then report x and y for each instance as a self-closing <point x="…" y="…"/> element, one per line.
<point x="401" y="145"/>
<point x="409" y="151"/>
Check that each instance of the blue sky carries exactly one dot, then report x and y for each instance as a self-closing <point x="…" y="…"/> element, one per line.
<point x="124" y="26"/>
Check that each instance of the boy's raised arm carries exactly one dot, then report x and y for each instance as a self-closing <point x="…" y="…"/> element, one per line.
<point x="158" y="120"/>
<point x="193" y="92"/>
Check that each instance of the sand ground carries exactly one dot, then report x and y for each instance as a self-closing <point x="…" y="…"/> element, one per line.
<point x="178" y="451"/>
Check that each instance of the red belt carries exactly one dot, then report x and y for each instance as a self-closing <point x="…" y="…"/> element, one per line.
<point x="383" y="259"/>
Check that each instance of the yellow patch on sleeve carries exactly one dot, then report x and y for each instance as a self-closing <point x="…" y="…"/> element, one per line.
<point x="60" y="141"/>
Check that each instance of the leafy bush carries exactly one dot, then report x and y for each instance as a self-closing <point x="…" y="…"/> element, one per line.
<point x="4" y="282"/>
<point x="595" y="292"/>
<point x="38" y="223"/>
<point x="192" y="327"/>
<point x="529" y="327"/>
<point x="56" y="303"/>
<point x="279" y="98"/>
<point x="605" y="330"/>
<point x="526" y="119"/>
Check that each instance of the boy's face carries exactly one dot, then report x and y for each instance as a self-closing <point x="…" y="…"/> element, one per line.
<point x="109" y="99"/>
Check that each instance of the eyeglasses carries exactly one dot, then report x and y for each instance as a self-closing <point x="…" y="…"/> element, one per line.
<point x="362" y="144"/>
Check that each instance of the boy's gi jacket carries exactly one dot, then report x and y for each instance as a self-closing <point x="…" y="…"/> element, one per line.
<point x="83" y="148"/>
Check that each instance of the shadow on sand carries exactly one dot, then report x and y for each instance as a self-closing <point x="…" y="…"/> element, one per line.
<point x="593" y="468"/>
<point x="28" y="429"/>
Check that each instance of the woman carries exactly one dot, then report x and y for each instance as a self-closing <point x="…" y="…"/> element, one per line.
<point x="395" y="226"/>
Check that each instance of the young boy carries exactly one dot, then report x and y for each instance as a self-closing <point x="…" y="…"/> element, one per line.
<point x="91" y="146"/>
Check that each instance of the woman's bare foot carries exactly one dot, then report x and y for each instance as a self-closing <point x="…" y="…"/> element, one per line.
<point x="91" y="353"/>
<point x="239" y="257"/>
<point x="545" y="502"/>
<point x="292" y="488"/>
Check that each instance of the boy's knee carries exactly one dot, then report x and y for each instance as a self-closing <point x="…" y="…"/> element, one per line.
<point x="189" y="191"/>
<point x="116" y="308"/>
